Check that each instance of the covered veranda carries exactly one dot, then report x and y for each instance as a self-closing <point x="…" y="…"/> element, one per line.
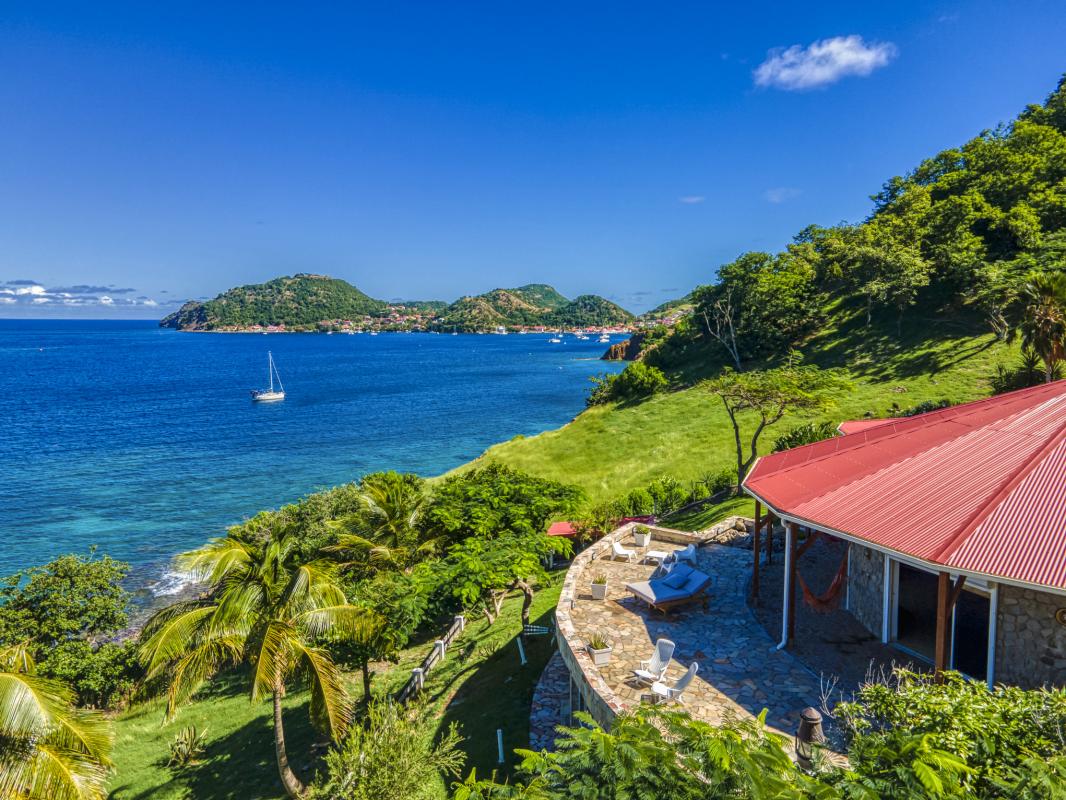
<point x="931" y="518"/>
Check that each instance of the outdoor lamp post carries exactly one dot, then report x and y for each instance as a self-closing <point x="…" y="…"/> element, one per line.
<point x="808" y="735"/>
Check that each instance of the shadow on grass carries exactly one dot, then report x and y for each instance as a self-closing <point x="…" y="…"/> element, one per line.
<point x="239" y="765"/>
<point x="496" y="694"/>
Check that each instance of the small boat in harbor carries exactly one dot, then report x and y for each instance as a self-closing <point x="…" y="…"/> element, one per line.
<point x="555" y="340"/>
<point x="270" y="395"/>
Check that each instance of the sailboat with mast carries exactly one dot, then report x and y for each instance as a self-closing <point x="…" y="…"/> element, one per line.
<point x="270" y="395"/>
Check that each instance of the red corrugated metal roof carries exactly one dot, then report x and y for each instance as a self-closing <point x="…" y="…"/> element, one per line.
<point x="979" y="487"/>
<point x="856" y="425"/>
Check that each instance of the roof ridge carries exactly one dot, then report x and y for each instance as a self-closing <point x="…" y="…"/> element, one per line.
<point x="927" y="418"/>
<point x="1008" y="486"/>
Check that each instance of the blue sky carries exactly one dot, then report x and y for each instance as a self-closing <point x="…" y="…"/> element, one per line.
<point x="156" y="152"/>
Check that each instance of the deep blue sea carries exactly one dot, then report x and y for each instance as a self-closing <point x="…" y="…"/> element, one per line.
<point x="145" y="442"/>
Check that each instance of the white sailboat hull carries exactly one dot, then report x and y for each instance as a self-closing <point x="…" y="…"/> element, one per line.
<point x="267" y="397"/>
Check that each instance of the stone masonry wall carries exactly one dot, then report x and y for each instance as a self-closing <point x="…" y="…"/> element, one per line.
<point x="866" y="587"/>
<point x="1030" y="642"/>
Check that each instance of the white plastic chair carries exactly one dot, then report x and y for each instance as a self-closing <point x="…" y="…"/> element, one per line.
<point x="617" y="551"/>
<point x="654" y="669"/>
<point x="687" y="554"/>
<point x="673" y="693"/>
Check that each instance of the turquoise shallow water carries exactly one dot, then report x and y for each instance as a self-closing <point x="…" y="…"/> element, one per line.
<point x="145" y="442"/>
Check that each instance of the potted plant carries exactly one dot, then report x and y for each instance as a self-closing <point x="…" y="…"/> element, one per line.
<point x="599" y="587"/>
<point x="599" y="647"/>
<point x="641" y="535"/>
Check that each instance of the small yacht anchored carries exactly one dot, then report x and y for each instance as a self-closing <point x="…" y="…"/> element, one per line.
<point x="270" y="395"/>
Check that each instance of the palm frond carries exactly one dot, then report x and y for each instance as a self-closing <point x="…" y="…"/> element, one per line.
<point x="216" y="559"/>
<point x="18" y="658"/>
<point x="172" y="639"/>
<point x="273" y="658"/>
<point x="29" y="705"/>
<point x="330" y="707"/>
<point x="345" y="621"/>
<point x="54" y="773"/>
<point x="198" y="665"/>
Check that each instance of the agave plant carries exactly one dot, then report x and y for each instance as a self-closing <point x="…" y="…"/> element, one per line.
<point x="48" y="748"/>
<point x="267" y="609"/>
<point x="187" y="747"/>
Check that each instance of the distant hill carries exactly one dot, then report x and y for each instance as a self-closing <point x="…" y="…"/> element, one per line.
<point x="530" y="306"/>
<point x="317" y="302"/>
<point x="299" y="302"/>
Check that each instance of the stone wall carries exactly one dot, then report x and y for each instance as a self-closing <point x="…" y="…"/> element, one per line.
<point x="866" y="583"/>
<point x="1030" y="642"/>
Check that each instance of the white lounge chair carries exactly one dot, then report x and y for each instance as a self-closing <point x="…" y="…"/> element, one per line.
<point x="673" y="693"/>
<point x="687" y="554"/>
<point x="617" y="551"/>
<point x="654" y="669"/>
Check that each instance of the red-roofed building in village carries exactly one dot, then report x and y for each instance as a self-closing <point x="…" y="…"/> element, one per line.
<point x="956" y="524"/>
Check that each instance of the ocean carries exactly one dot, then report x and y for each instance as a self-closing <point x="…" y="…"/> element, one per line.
<point x="144" y="442"/>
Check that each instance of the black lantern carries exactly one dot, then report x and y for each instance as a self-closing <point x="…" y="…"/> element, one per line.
<point x="809" y="735"/>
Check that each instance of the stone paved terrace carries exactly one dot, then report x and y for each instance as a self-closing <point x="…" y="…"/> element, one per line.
<point x="740" y="672"/>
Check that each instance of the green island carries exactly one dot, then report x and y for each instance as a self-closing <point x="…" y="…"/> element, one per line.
<point x="307" y="302"/>
<point x="275" y="680"/>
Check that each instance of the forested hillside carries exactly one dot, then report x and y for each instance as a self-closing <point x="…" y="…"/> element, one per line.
<point x="530" y="306"/>
<point x="958" y="236"/>
<point x="300" y="301"/>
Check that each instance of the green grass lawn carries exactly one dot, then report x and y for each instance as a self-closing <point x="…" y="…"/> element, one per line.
<point x="480" y="686"/>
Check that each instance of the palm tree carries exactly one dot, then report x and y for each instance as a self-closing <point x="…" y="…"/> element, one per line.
<point x="49" y="750"/>
<point x="385" y="529"/>
<point x="1044" y="323"/>
<point x="266" y="609"/>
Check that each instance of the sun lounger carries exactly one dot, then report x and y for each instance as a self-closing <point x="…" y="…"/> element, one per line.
<point x="682" y="585"/>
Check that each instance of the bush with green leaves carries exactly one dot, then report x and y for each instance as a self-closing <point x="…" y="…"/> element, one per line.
<point x="921" y="408"/>
<point x="807" y="433"/>
<point x="635" y="382"/>
<point x="391" y="755"/>
<point x="992" y="731"/>
<point x="61" y="612"/>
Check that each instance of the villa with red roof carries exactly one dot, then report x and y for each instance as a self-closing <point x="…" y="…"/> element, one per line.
<point x="954" y="524"/>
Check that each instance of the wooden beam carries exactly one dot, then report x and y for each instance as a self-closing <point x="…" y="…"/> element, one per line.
<point x="769" y="538"/>
<point x="792" y="583"/>
<point x="756" y="553"/>
<point x="943" y="620"/>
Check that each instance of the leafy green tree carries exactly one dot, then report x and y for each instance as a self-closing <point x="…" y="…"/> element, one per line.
<point x="49" y="750"/>
<point x="391" y="755"/>
<point x="637" y="381"/>
<point x="397" y="603"/>
<point x="481" y="571"/>
<point x="496" y="500"/>
<point x="1044" y="322"/>
<point x="267" y="609"/>
<point x="63" y="613"/>
<point x="768" y="395"/>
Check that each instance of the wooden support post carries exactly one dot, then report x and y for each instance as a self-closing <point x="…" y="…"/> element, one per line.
<point x="769" y="538"/>
<point x="792" y="581"/>
<point x="756" y="554"/>
<point x="947" y="596"/>
<point x="943" y="598"/>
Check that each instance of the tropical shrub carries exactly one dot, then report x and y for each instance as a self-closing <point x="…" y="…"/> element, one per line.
<point x="496" y="500"/>
<point x="391" y="755"/>
<point x="637" y="381"/>
<point x="60" y="612"/>
<point x="992" y="732"/>
<point x="807" y="433"/>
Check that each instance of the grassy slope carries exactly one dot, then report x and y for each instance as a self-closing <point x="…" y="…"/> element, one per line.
<point x="610" y="450"/>
<point x="481" y="686"/>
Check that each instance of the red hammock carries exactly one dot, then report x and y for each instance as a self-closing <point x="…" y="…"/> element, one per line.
<point x="830" y="599"/>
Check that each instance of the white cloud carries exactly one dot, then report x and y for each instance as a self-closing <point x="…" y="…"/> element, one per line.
<point x="35" y="289"/>
<point x="692" y="199"/>
<point x="7" y="299"/>
<point x="823" y="62"/>
<point x="106" y="301"/>
<point x="40" y="300"/>
<point x="780" y="194"/>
